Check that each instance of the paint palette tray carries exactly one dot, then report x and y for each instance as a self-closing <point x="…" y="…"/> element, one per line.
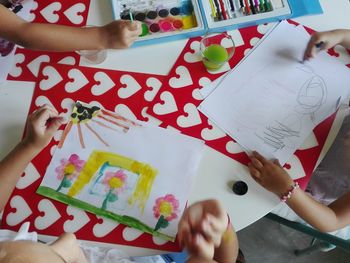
<point x="165" y="20"/>
<point x="161" y="19"/>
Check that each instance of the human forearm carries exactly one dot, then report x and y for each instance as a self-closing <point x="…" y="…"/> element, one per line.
<point x="12" y="167"/>
<point x="60" y="38"/>
<point x="316" y="214"/>
<point x="228" y="250"/>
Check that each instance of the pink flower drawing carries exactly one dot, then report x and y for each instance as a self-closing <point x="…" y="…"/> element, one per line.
<point x="165" y="209"/>
<point x="115" y="183"/>
<point x="68" y="170"/>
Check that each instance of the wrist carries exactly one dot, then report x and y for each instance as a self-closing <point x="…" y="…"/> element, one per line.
<point x="103" y="37"/>
<point x="289" y="193"/>
<point x="30" y="146"/>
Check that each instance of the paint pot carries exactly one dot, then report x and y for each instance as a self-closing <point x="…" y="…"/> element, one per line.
<point x="145" y="30"/>
<point x="163" y="13"/>
<point x="154" y="28"/>
<point x="175" y="11"/>
<point x="140" y="16"/>
<point x="152" y="15"/>
<point x="125" y="16"/>
<point x="166" y="25"/>
<point x="177" y="24"/>
<point x="240" y="188"/>
<point x="189" y="22"/>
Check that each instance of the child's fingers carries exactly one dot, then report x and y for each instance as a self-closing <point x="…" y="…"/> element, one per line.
<point x="43" y="116"/>
<point x="54" y="125"/>
<point x="257" y="164"/>
<point x="254" y="173"/>
<point x="134" y="26"/>
<point x="260" y="157"/>
<point x="210" y="234"/>
<point x="277" y="162"/>
<point x="45" y="107"/>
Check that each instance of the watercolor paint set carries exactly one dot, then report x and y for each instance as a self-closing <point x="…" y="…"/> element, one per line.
<point x="165" y="20"/>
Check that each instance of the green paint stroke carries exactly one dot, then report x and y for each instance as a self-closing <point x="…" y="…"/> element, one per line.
<point x="126" y="220"/>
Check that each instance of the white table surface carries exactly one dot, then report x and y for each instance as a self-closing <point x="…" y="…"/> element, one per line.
<point x="216" y="170"/>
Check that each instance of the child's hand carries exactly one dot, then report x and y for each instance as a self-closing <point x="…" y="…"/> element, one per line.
<point x="270" y="175"/>
<point x="329" y="39"/>
<point x="201" y="228"/>
<point x="121" y="33"/>
<point x="41" y="126"/>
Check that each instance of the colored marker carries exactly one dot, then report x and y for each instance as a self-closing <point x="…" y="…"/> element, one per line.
<point x="219" y="16"/>
<point x="247" y="8"/>
<point x="228" y="9"/>
<point x="256" y="3"/>
<point x="261" y="6"/>
<point x="242" y="6"/>
<point x="213" y="10"/>
<point x="223" y="10"/>
<point x="232" y="6"/>
<point x="252" y="7"/>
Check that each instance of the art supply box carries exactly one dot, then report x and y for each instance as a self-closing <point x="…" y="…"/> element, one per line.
<point x="165" y="20"/>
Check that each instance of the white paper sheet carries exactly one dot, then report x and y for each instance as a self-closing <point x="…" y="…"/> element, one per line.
<point x="132" y="152"/>
<point x="271" y="101"/>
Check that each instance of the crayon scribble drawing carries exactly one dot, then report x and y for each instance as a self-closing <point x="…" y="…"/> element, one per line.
<point x="122" y="169"/>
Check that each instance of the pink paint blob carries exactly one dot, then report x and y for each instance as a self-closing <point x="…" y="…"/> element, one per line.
<point x="166" y="26"/>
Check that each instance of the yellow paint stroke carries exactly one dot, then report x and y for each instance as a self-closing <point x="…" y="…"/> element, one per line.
<point x="144" y="184"/>
<point x="145" y="180"/>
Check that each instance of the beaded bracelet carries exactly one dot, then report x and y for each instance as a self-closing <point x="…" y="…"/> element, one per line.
<point x="288" y="195"/>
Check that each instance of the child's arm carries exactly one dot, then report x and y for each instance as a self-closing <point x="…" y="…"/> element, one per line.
<point x="118" y="34"/>
<point x="275" y="179"/>
<point x="329" y="40"/>
<point x="42" y="125"/>
<point x="205" y="233"/>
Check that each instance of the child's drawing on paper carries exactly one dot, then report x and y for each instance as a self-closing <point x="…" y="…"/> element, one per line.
<point x="122" y="169"/>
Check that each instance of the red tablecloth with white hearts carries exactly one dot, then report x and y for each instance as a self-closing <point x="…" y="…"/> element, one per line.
<point x="61" y="82"/>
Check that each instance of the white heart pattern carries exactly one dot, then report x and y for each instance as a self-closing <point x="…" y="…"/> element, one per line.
<point x="131" y="87"/>
<point x="197" y="95"/>
<point x="168" y="105"/>
<point x="192" y="117"/>
<point x="53" y="78"/>
<point x="130" y="234"/>
<point x="67" y="61"/>
<point x="294" y="167"/>
<point x="194" y="55"/>
<point x="155" y="86"/>
<point x="50" y="12"/>
<point x="34" y="65"/>
<point x="212" y="134"/>
<point x="204" y="81"/>
<point x="104" y="84"/>
<point x="233" y="147"/>
<point x="41" y="100"/>
<point x="104" y="228"/>
<point x="31" y="174"/>
<point x="150" y="118"/>
<point x="16" y="70"/>
<point x="31" y="15"/>
<point x="74" y="13"/>
<point x="237" y="37"/>
<point x="51" y="215"/>
<point x="22" y="211"/>
<point x="159" y="241"/>
<point x="77" y="81"/>
<point x="125" y="111"/>
<point x="183" y="80"/>
<point x="80" y="219"/>
<point x="310" y="142"/>
<point x="254" y="41"/>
